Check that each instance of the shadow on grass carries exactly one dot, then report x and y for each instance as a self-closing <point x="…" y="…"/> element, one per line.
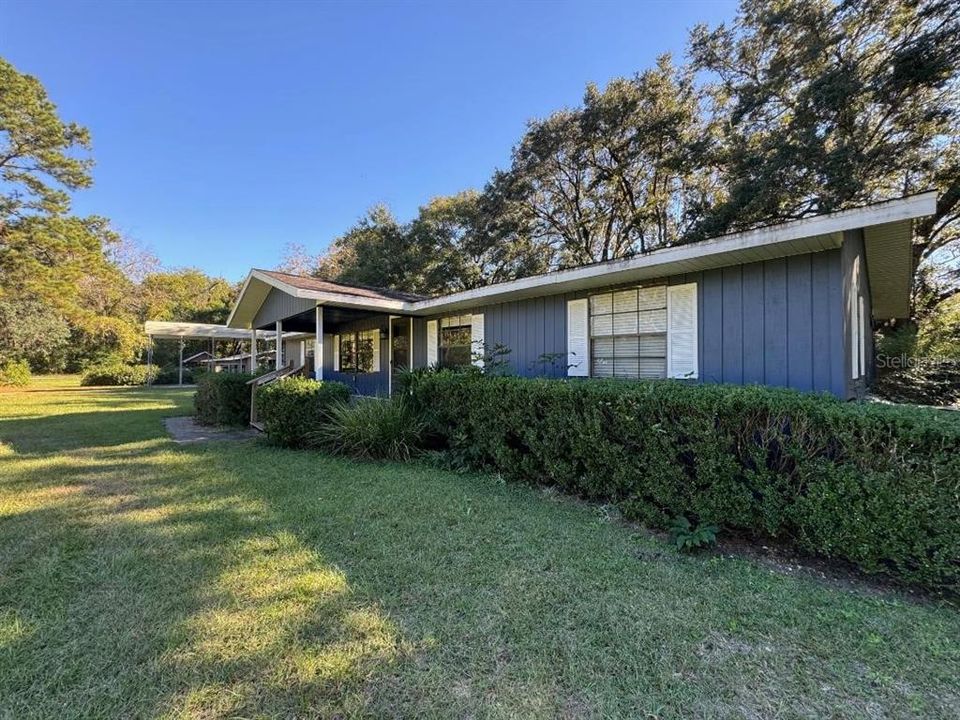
<point x="137" y="580"/>
<point x="225" y="580"/>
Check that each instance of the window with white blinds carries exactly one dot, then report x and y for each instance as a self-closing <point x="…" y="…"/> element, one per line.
<point x="628" y="333"/>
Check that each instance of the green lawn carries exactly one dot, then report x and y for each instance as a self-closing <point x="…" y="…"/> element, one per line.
<point x="143" y="579"/>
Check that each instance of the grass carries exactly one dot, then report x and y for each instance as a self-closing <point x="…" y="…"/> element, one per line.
<point x="143" y="579"/>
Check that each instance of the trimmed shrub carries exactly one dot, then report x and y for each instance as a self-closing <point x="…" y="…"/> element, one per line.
<point x="371" y="428"/>
<point x="114" y="373"/>
<point x="293" y="407"/>
<point x="15" y="373"/>
<point x="222" y="399"/>
<point x="871" y="484"/>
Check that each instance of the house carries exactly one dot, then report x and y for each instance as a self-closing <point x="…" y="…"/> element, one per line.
<point x="786" y="305"/>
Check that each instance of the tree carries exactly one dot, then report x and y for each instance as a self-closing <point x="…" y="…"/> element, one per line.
<point x="297" y="260"/>
<point x="379" y="252"/>
<point x="827" y="105"/>
<point x="34" y="149"/>
<point x="619" y="175"/>
<point x="187" y="294"/>
<point x="32" y="331"/>
<point x="475" y="242"/>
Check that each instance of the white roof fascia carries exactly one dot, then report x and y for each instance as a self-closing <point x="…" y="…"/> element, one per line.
<point x="786" y="236"/>
<point x="810" y="234"/>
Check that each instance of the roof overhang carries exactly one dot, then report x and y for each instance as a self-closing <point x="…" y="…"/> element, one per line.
<point x="889" y="251"/>
<point x="890" y="220"/>
<point x="257" y="286"/>
<point x="887" y="230"/>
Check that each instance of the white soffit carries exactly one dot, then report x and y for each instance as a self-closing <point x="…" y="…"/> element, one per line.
<point x="889" y="250"/>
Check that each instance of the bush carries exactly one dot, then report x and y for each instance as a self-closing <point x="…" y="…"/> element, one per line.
<point x="371" y="428"/>
<point x="875" y="485"/>
<point x="172" y="377"/>
<point x="15" y="373"/>
<point x="116" y="373"/>
<point x="222" y="399"/>
<point x="293" y="407"/>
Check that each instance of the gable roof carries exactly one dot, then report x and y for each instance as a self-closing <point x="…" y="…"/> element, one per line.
<point x="304" y="282"/>
<point x="889" y="267"/>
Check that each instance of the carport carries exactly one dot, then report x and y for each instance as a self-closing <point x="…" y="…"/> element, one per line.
<point x="183" y="331"/>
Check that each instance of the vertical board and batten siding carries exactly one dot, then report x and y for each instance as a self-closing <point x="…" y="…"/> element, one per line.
<point x="279" y="305"/>
<point x="776" y="322"/>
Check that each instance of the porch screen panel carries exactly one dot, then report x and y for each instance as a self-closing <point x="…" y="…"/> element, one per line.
<point x="628" y="333"/>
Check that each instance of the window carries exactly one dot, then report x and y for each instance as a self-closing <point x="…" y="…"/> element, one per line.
<point x="628" y="333"/>
<point x="357" y="352"/>
<point x="455" y="341"/>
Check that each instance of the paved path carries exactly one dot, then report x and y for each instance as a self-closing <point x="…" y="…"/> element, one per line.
<point x="185" y="430"/>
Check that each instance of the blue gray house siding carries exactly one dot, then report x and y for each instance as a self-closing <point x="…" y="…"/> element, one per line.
<point x="782" y="322"/>
<point x="778" y="322"/>
<point x="279" y="305"/>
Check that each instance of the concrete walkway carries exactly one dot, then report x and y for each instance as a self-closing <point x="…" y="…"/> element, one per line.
<point x="186" y="430"/>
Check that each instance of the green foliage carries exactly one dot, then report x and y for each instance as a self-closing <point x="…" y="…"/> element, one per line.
<point x="455" y="243"/>
<point x="14" y="373"/>
<point x="686" y="536"/>
<point x="919" y="362"/>
<point x="118" y="373"/>
<point x="871" y="484"/>
<point x="371" y="428"/>
<point x="171" y="376"/>
<point x="222" y="399"/>
<point x="33" y="333"/>
<point x="36" y="146"/>
<point x="823" y="105"/>
<point x="292" y="408"/>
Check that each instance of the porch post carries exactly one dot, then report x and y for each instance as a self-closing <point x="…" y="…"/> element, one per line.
<point x="278" y="363"/>
<point x="180" y="376"/>
<point x="318" y="345"/>
<point x="253" y="350"/>
<point x="390" y="355"/>
<point x="149" y="357"/>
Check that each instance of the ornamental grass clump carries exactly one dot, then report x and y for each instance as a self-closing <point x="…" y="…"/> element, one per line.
<point x="371" y="429"/>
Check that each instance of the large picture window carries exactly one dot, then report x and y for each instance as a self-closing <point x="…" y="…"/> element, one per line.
<point x="455" y="341"/>
<point x="357" y="352"/>
<point x="628" y="333"/>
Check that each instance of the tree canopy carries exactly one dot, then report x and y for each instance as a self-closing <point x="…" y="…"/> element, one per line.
<point x="795" y="108"/>
<point x="73" y="291"/>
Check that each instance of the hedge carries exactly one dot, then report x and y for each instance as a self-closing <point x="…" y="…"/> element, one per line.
<point x="115" y="373"/>
<point x="293" y="407"/>
<point x="871" y="484"/>
<point x="222" y="398"/>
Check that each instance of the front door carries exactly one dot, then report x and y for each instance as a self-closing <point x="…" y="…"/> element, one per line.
<point x="399" y="347"/>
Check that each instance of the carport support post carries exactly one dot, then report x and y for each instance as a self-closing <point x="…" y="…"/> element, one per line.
<point x="149" y="357"/>
<point x="278" y="362"/>
<point x="253" y="350"/>
<point x="180" y="377"/>
<point x="318" y="345"/>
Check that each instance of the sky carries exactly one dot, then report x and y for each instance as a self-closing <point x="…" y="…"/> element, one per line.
<point x="222" y="131"/>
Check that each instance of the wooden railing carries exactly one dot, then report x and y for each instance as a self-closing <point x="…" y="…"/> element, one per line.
<point x="266" y="379"/>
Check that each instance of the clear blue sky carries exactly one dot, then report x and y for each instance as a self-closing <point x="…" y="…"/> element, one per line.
<point x="223" y="130"/>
